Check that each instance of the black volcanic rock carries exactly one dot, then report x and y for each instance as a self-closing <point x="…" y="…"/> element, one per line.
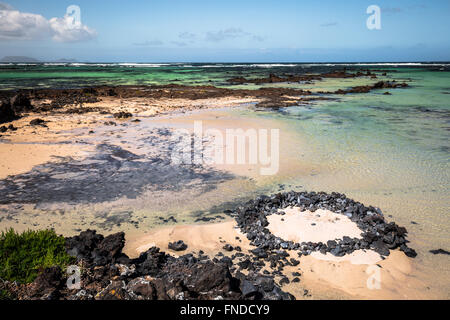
<point x="47" y="284"/>
<point x="440" y="251"/>
<point x="7" y="113"/>
<point x="84" y="247"/>
<point x="228" y="247"/>
<point x="21" y="103"/>
<point x="122" y="115"/>
<point x="38" y="122"/>
<point x="408" y="251"/>
<point x="248" y="289"/>
<point x="381" y="248"/>
<point x="368" y="88"/>
<point x="112" y="245"/>
<point x="151" y="262"/>
<point x="178" y="245"/>
<point x="376" y="232"/>
<point x="259" y="252"/>
<point x="153" y="275"/>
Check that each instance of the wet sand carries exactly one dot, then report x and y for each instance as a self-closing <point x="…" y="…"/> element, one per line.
<point x="93" y="145"/>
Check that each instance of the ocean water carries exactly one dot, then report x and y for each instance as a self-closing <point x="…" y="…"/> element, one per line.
<point x="70" y="75"/>
<point x="390" y="151"/>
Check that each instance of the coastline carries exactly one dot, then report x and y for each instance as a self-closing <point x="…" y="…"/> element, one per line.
<point x="49" y="141"/>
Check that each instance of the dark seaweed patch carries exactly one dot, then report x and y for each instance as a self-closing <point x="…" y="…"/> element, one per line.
<point x="109" y="174"/>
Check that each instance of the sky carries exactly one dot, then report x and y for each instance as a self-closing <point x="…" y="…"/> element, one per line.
<point x="225" y="31"/>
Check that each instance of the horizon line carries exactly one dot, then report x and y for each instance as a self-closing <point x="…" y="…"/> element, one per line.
<point x="226" y="62"/>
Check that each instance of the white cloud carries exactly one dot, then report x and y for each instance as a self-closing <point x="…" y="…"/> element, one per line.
<point x="16" y="25"/>
<point x="66" y="29"/>
<point x="187" y="36"/>
<point x="231" y="33"/>
<point x="221" y="35"/>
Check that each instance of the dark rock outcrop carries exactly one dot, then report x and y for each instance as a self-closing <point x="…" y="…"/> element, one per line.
<point x="7" y="113"/>
<point x="153" y="275"/>
<point x="368" y="88"/>
<point x="272" y="78"/>
<point x="21" y="103"/>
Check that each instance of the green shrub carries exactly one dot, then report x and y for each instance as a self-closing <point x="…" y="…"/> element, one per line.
<point x="5" y="295"/>
<point x="23" y="255"/>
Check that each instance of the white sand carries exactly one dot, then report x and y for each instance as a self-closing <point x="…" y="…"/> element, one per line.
<point x="319" y="226"/>
<point x="210" y="238"/>
<point x="356" y="257"/>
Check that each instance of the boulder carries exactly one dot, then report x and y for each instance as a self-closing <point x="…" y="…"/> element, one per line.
<point x="265" y="283"/>
<point x="112" y="245"/>
<point x="38" y="122"/>
<point x="122" y="115"/>
<point x="228" y="247"/>
<point x="150" y="262"/>
<point x="178" y="245"/>
<point x="143" y="288"/>
<point x="248" y="289"/>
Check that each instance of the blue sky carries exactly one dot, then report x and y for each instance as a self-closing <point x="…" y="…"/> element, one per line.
<point x="229" y="31"/>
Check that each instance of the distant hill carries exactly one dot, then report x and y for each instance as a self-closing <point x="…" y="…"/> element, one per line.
<point x="15" y="59"/>
<point x="19" y="59"/>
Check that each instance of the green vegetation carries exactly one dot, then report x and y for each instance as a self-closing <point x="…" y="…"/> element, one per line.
<point x="5" y="295"/>
<point x="23" y="255"/>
